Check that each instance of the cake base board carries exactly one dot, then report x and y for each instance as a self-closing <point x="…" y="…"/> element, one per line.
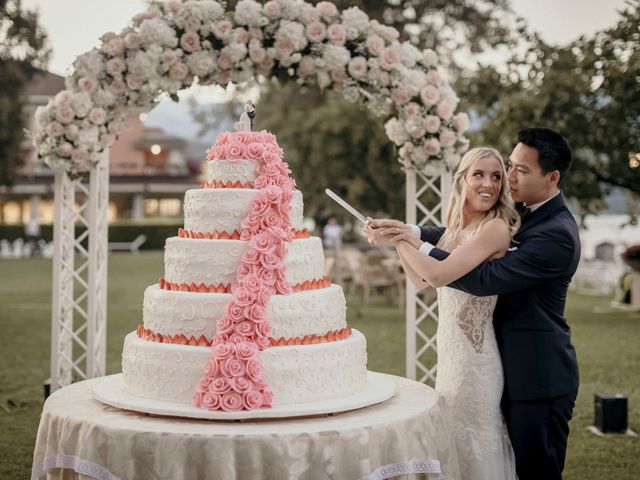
<point x="380" y="387"/>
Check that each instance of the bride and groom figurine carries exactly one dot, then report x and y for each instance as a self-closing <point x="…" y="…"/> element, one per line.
<point x="502" y="266"/>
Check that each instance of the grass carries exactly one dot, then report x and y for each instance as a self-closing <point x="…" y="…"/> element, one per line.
<point x="607" y="344"/>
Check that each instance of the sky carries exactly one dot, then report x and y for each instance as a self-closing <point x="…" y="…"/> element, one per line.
<point x="558" y="21"/>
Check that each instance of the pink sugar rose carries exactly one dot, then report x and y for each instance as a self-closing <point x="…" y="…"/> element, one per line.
<point x="273" y="194"/>
<point x="235" y="151"/>
<point x="445" y="109"/>
<point x="252" y="282"/>
<point x="192" y="24"/>
<point x="211" y="401"/>
<point x="267" y="277"/>
<point x="190" y="42"/>
<point x="235" y="367"/>
<point x="223" y="351"/>
<point x="256" y="312"/>
<point x="241" y="384"/>
<point x="270" y="158"/>
<point x="430" y="95"/>
<point x="389" y="58"/>
<point x="254" y="370"/>
<point x="115" y="66"/>
<point x="223" y="138"/>
<point x="243" y="298"/>
<point x="97" y="116"/>
<point x="336" y="34"/>
<point x="316" y="32"/>
<point x="242" y="137"/>
<point x="243" y="270"/>
<point x="252" y="400"/>
<point x="263" y="243"/>
<point x="265" y="329"/>
<point x="375" y="44"/>
<point x="274" y="148"/>
<point x="282" y="287"/>
<point x="219" y="385"/>
<point x="259" y="206"/>
<point x="231" y="402"/>
<point x="271" y="261"/>
<point x="235" y="314"/>
<point x="203" y="384"/>
<point x="261" y="182"/>
<point x="269" y="170"/>
<point x="211" y="369"/>
<point x="255" y="150"/>
<point x="246" y="351"/>
<point x="273" y="219"/>
<point x="247" y="233"/>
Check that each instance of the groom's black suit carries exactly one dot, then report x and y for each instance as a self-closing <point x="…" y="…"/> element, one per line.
<point x="539" y="362"/>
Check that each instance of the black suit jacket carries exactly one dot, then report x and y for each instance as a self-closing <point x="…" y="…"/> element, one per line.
<point x="534" y="339"/>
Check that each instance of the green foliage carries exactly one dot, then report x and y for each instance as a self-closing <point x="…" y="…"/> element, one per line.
<point x="330" y="143"/>
<point x="588" y="90"/>
<point x="23" y="49"/>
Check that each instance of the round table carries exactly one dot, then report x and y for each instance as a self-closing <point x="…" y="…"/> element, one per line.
<point x="408" y="435"/>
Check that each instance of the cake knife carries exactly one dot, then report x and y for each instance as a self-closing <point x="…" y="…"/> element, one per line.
<point x="347" y="207"/>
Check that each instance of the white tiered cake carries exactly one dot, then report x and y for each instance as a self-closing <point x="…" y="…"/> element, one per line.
<point x="244" y="318"/>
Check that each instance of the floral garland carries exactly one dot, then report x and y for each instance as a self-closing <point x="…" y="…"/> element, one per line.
<point x="164" y="49"/>
<point x="233" y="378"/>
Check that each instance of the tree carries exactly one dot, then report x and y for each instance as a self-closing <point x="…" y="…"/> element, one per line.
<point x="588" y="90"/>
<point x="23" y="49"/>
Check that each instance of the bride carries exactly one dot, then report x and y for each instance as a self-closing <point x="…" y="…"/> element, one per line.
<point x="481" y="222"/>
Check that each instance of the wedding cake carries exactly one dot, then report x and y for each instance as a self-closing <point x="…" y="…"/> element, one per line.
<point x="244" y="317"/>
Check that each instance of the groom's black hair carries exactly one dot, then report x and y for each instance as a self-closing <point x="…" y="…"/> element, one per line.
<point x="554" y="152"/>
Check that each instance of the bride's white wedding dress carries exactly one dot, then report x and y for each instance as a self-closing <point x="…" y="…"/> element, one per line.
<point x="470" y="379"/>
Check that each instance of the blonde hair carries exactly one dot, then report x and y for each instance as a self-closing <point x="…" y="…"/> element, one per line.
<point x="504" y="207"/>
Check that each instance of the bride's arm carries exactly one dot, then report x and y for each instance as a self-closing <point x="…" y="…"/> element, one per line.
<point x="416" y="279"/>
<point x="493" y="238"/>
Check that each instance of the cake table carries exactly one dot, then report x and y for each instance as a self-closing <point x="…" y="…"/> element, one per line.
<point x="406" y="436"/>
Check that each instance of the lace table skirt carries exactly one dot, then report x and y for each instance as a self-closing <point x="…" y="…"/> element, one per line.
<point x="408" y="435"/>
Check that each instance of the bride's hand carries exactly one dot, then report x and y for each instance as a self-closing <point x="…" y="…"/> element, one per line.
<point x="408" y="237"/>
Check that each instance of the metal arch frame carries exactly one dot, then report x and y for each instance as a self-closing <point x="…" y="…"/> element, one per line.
<point x="79" y="292"/>
<point x="421" y="314"/>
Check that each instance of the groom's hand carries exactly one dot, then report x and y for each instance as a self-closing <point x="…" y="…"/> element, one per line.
<point x="385" y="231"/>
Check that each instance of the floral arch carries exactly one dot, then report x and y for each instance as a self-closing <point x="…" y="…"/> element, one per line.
<point x="176" y="43"/>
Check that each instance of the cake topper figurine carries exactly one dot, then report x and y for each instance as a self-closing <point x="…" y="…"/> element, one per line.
<point x="245" y="124"/>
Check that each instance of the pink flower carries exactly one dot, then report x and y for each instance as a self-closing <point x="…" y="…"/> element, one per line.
<point x="255" y="150"/>
<point x="97" y="116"/>
<point x="272" y="219"/>
<point x="235" y="151"/>
<point x="336" y="34"/>
<point x="246" y="351"/>
<point x="211" y="369"/>
<point x="257" y="54"/>
<point x="211" y="401"/>
<point x="316" y="32"/>
<point x="338" y="75"/>
<point x="447" y="138"/>
<point x="270" y="158"/>
<point x="256" y="312"/>
<point x="54" y="129"/>
<point x="400" y="96"/>
<point x="307" y="66"/>
<point x="434" y="78"/>
<point x="375" y="44"/>
<point x="235" y="313"/>
<point x="115" y="66"/>
<point x="241" y="384"/>
<point x="219" y="385"/>
<point x="117" y="87"/>
<point x="203" y="385"/>
<point x="429" y="57"/>
<point x="432" y="146"/>
<point x="223" y="138"/>
<point x="231" y="402"/>
<point x="389" y="58"/>
<point x="65" y="114"/>
<point x="235" y="367"/>
<point x="254" y="370"/>
<point x="284" y="47"/>
<point x="133" y="81"/>
<point x="241" y="35"/>
<point x="65" y="149"/>
<point x="174" y="6"/>
<point x="357" y="67"/>
<point x="223" y="350"/>
<point x="269" y="170"/>
<point x="261" y="182"/>
<point x="252" y="282"/>
<point x="225" y="62"/>
<point x="430" y="95"/>
<point x="72" y="132"/>
<point x="222" y="29"/>
<point x="432" y="123"/>
<point x="252" y="400"/>
<point x="268" y="277"/>
<point x="411" y="109"/>
<point x="87" y="84"/>
<point x="271" y="10"/>
<point x="243" y="298"/>
<point x="259" y="206"/>
<point x="192" y="24"/>
<point x="445" y="109"/>
<point x="283" y="288"/>
<point x="107" y="139"/>
<point x="169" y="57"/>
<point x="270" y="261"/>
<point x="326" y="9"/>
<point x="190" y="42"/>
<point x="461" y="122"/>
<point x="273" y="194"/>
<point x="114" y="47"/>
<point x="132" y="41"/>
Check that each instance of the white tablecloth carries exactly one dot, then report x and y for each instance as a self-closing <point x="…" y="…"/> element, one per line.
<point x="79" y="437"/>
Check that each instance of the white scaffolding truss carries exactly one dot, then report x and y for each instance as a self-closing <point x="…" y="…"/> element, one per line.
<point x="427" y="198"/>
<point x="79" y="293"/>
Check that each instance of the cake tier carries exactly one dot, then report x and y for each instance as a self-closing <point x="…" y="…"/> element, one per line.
<point x="295" y="374"/>
<point x="231" y="171"/>
<point x="224" y="209"/>
<point x="190" y="260"/>
<point x="314" y="312"/>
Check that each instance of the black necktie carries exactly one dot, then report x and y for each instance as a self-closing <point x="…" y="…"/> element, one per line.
<point x="523" y="211"/>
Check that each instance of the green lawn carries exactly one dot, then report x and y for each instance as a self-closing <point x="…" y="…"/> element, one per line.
<point x="607" y="343"/>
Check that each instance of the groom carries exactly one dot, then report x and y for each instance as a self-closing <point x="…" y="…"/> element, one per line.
<point x="539" y="361"/>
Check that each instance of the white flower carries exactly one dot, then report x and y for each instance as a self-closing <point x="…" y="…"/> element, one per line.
<point x="412" y="109"/>
<point x="390" y="57"/>
<point x="410" y="54"/>
<point x="114" y="47"/>
<point x="308" y="14"/>
<point x="294" y="32"/>
<point x="141" y="64"/>
<point x="375" y="44"/>
<point x="132" y="41"/>
<point x="430" y="58"/>
<point x="452" y="159"/>
<point x="88" y="136"/>
<point x="206" y="10"/>
<point x="326" y="9"/>
<point x="336" y="34"/>
<point x="222" y="29"/>
<point x="414" y="80"/>
<point x="396" y="131"/>
<point x="54" y="129"/>
<point x="248" y="12"/>
<point x="355" y="21"/>
<point x="235" y="51"/>
<point x="351" y="94"/>
<point x="155" y="31"/>
<point x="316" y="32"/>
<point x="190" y="42"/>
<point x="62" y="99"/>
<point x="72" y="132"/>
<point x="447" y="138"/>
<point x="87" y="84"/>
<point x="104" y="98"/>
<point x="461" y="122"/>
<point x="97" y="116"/>
<point x="307" y="66"/>
<point x="81" y="103"/>
<point x="430" y="95"/>
<point x="201" y="63"/>
<point x="116" y="66"/>
<point x="416" y="128"/>
<point x="271" y="10"/>
<point x="336" y="56"/>
<point x="432" y="147"/>
<point x="89" y="64"/>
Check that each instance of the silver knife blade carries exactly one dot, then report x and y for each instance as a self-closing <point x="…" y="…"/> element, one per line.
<point x="347" y="207"/>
